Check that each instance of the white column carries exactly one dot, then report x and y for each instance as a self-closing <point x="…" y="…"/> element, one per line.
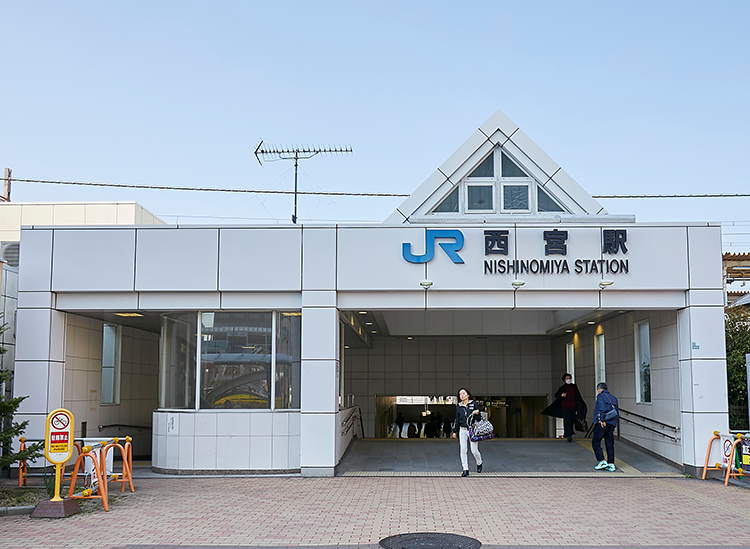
<point x="40" y="336"/>
<point x="319" y="429"/>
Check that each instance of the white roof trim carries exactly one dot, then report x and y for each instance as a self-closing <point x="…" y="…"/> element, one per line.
<point x="498" y="129"/>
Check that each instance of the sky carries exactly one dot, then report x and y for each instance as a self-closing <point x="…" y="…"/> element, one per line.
<point x="628" y="97"/>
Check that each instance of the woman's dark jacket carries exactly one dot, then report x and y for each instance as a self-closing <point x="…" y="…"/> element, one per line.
<point x="463" y="413"/>
<point x="556" y="410"/>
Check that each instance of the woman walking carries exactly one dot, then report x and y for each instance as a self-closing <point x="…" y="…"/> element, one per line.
<point x="467" y="411"/>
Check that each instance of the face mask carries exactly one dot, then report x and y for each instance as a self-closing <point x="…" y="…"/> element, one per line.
<point x="568" y="381"/>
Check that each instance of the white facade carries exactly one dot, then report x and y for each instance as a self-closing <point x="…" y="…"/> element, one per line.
<point x="473" y="326"/>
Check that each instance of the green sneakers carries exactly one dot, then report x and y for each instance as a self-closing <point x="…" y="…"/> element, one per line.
<point x="611" y="467"/>
<point x="602" y="465"/>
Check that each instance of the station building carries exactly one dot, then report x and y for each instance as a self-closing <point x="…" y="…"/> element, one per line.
<point x="253" y="349"/>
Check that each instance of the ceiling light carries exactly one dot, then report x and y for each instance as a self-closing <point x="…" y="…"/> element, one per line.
<point x="363" y="312"/>
<point x="368" y="323"/>
<point x="128" y="314"/>
<point x="374" y="332"/>
<point x="409" y="337"/>
<point x="592" y="322"/>
<point x="568" y="331"/>
<point x="346" y="346"/>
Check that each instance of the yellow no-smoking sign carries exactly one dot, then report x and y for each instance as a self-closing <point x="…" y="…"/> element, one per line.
<point x="58" y="438"/>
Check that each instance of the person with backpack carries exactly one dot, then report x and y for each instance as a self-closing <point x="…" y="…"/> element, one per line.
<point x="606" y="414"/>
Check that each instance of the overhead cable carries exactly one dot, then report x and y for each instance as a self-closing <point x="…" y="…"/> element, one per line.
<point x="205" y="189"/>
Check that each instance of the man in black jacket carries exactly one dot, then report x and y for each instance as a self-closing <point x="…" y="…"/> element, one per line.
<point x="568" y="405"/>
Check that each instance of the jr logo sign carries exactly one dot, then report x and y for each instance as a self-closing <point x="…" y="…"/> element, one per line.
<point x="450" y="248"/>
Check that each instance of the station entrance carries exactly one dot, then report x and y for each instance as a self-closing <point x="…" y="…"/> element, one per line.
<point x="430" y="417"/>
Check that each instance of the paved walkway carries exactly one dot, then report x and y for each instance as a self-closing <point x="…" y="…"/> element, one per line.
<point x="502" y="457"/>
<point x="358" y="512"/>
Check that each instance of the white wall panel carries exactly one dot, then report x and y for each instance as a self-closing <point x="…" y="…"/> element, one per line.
<point x="89" y="260"/>
<point x="697" y="430"/>
<point x="612" y="298"/>
<point x="414" y="299"/>
<point x="179" y="301"/>
<point x="371" y="259"/>
<point x="33" y="327"/>
<point x="703" y="298"/>
<point x="320" y="334"/>
<point x="126" y="301"/>
<point x="35" y="262"/>
<point x="260" y="259"/>
<point x="319" y="258"/>
<point x="318" y="440"/>
<point x="261" y="300"/>
<point x="530" y="299"/>
<point x="177" y="260"/>
<point x="705" y="257"/>
<point x="707" y="338"/>
<point x="709" y="386"/>
<point x="34" y="300"/>
<point x="318" y="298"/>
<point x="320" y="384"/>
<point x="31" y="380"/>
<point x="657" y="257"/>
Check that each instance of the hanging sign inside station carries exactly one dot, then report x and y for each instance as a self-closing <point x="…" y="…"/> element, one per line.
<point x="555" y="260"/>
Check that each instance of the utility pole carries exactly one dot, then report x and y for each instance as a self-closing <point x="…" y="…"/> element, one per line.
<point x="6" y="187"/>
<point x="287" y="153"/>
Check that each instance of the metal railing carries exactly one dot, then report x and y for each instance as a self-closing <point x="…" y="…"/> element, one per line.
<point x="648" y="428"/>
<point x="351" y="420"/>
<point x="118" y="425"/>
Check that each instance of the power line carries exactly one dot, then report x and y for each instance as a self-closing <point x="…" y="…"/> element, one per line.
<point x="717" y="195"/>
<point x="204" y="189"/>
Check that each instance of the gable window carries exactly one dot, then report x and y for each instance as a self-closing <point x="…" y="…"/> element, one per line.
<point x="544" y="203"/>
<point x="486" y="168"/>
<point x="510" y="169"/>
<point x="479" y="198"/>
<point x="516" y="197"/>
<point x="449" y="203"/>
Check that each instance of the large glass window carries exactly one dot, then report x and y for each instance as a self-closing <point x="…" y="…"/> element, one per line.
<point x="236" y="351"/>
<point x="643" y="362"/>
<point x="486" y="168"/>
<point x="178" y="361"/>
<point x="600" y="366"/>
<point x="288" y="360"/>
<point x="479" y="197"/>
<point x="510" y="169"/>
<point x="111" y="342"/>
<point x="570" y="359"/>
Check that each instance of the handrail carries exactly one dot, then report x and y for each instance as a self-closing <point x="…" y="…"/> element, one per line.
<point x="349" y="422"/>
<point x="148" y="428"/>
<point x="675" y="429"/>
<point x="674" y="439"/>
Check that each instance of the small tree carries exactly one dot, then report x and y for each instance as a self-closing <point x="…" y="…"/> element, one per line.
<point x="9" y="430"/>
<point x="738" y="345"/>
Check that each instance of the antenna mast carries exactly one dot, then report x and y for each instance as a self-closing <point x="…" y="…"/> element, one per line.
<point x="274" y="153"/>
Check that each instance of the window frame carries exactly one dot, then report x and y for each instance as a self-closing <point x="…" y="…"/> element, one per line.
<point x="517" y="182"/>
<point x="637" y="326"/>
<point x="480" y="182"/>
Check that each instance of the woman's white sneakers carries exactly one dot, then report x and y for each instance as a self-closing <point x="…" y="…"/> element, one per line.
<point x="604" y="465"/>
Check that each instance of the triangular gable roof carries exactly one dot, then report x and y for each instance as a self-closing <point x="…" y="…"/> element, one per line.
<point x="497" y="131"/>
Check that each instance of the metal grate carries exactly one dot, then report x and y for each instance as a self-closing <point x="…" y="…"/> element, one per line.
<point x="429" y="540"/>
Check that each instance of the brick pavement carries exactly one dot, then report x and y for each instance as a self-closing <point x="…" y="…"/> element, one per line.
<point x="292" y="511"/>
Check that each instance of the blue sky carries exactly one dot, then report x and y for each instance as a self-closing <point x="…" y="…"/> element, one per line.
<point x="628" y="97"/>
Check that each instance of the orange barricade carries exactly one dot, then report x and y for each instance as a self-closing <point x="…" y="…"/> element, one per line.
<point x="731" y="470"/>
<point x="23" y="469"/>
<point x="100" y="470"/>
<point x="126" y="452"/>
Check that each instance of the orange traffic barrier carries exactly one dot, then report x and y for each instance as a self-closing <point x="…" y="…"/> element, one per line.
<point x="23" y="469"/>
<point x="731" y="470"/>
<point x="126" y="452"/>
<point x="100" y="470"/>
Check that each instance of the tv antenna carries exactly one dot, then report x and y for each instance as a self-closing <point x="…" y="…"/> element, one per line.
<point x="274" y="153"/>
